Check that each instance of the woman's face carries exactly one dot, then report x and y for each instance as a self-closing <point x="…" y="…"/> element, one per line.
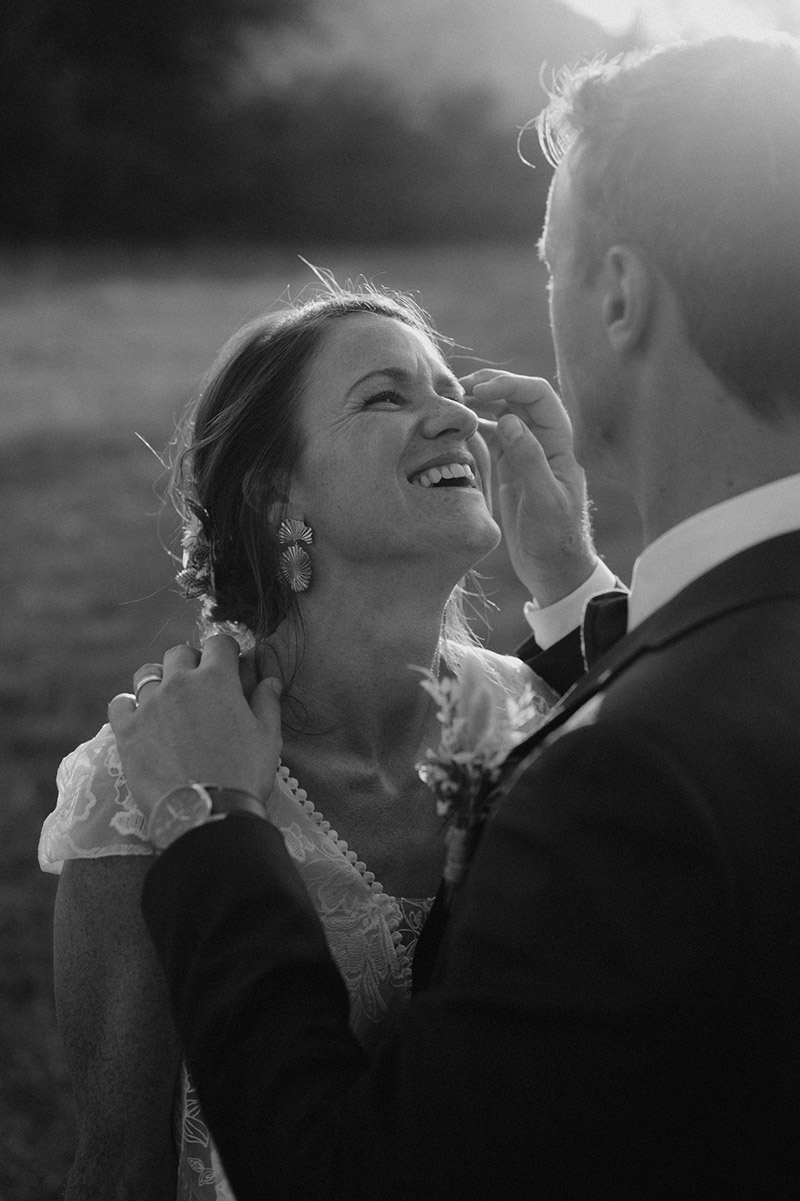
<point x="392" y="468"/>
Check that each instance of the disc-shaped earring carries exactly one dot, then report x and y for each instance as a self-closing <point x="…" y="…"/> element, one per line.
<point x="292" y="530"/>
<point x="295" y="568"/>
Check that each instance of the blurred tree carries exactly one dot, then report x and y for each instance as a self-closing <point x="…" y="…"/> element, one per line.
<point x="109" y="107"/>
<point x="346" y="157"/>
<point x="127" y="121"/>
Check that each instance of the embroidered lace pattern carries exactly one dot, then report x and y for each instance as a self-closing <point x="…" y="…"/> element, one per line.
<point x="372" y="936"/>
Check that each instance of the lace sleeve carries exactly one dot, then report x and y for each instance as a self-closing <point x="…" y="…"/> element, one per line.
<point x="95" y="814"/>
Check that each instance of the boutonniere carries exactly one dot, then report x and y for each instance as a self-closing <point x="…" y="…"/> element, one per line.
<point x="479" y="728"/>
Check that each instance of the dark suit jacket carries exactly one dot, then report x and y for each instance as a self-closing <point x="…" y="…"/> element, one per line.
<point x="616" y="1007"/>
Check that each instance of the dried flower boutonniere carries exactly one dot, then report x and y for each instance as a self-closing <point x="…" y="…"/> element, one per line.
<point x="479" y="728"/>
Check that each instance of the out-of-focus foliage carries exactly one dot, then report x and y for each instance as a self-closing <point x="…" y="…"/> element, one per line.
<point x="343" y="158"/>
<point x="107" y="110"/>
<point x="123" y="121"/>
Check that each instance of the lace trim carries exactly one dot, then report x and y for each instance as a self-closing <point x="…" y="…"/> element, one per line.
<point x="392" y="906"/>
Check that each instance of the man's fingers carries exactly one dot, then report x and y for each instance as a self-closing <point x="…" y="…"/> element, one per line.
<point x="266" y="706"/>
<point x="248" y="673"/>
<point x="513" y="389"/>
<point x="531" y="399"/>
<point x="180" y="658"/>
<point x="120" y="707"/>
<point x="220" y="650"/>
<point x="480" y="376"/>
<point x="146" y="679"/>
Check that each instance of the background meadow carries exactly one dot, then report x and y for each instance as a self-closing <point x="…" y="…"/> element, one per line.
<point x="99" y="347"/>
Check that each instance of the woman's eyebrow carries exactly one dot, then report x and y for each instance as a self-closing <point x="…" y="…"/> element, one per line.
<point x="396" y="373"/>
<point x="401" y="376"/>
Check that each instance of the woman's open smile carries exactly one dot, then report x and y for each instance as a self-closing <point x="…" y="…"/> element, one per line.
<point x="381" y="404"/>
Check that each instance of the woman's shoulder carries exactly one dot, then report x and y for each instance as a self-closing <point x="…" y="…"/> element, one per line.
<point x="95" y="813"/>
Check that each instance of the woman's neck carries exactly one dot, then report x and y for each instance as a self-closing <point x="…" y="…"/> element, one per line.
<point x="349" y="671"/>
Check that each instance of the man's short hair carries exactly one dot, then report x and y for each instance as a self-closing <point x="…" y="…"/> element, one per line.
<point x="691" y="154"/>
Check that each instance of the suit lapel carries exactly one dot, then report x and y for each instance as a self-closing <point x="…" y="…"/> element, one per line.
<point x="768" y="571"/>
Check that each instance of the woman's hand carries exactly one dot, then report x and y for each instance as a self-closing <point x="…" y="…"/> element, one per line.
<point x="195" y="724"/>
<point x="542" y="488"/>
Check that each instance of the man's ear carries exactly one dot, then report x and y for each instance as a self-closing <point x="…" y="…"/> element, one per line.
<point x="627" y="298"/>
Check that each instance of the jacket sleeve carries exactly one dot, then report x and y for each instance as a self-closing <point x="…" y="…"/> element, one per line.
<point x="562" y="1013"/>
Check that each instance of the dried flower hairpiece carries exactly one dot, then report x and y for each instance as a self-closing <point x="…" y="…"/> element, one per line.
<point x="197" y="576"/>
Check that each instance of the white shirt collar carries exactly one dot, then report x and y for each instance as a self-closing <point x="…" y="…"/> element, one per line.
<point x="708" y="538"/>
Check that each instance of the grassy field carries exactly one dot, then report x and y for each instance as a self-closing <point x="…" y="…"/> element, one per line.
<point x="98" y="346"/>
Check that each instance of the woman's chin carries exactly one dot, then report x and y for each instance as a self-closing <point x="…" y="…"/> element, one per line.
<point x="489" y="544"/>
<point x="479" y="538"/>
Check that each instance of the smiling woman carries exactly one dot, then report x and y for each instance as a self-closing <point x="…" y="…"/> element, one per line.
<point x="381" y="411"/>
<point x="335" y="491"/>
<point x="304" y="379"/>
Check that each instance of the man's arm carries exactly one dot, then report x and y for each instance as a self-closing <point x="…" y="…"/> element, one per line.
<point x="562" y="1014"/>
<point x="261" y="1007"/>
<point x="544" y="512"/>
<point x="556" y="650"/>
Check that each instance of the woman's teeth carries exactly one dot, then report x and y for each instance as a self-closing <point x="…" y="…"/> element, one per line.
<point x="446" y="471"/>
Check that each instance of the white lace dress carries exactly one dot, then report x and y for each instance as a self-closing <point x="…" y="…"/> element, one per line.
<point x="371" y="935"/>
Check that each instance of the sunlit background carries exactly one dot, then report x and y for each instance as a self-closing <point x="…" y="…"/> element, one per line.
<point x="165" y="165"/>
<point x="666" y="20"/>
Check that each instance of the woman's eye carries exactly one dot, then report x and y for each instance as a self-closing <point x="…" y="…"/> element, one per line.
<point x="388" y="397"/>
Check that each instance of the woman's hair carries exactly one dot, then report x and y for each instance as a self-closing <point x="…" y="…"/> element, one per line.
<point x="235" y="452"/>
<point x="691" y="154"/>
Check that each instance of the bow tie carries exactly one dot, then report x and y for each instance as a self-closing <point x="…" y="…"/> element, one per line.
<point x="605" y="621"/>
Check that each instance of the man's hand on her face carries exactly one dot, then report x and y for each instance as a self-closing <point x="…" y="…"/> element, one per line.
<point x="195" y="725"/>
<point x="542" y="487"/>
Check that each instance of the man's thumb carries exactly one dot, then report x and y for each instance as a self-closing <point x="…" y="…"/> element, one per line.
<point x="266" y="703"/>
<point x="522" y="449"/>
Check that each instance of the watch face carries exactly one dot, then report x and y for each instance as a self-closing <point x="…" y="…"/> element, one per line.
<point x="180" y="810"/>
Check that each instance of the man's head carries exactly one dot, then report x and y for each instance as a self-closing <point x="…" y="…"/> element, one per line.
<point x="689" y="158"/>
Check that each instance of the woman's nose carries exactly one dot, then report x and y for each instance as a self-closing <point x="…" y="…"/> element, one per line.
<point x="448" y="416"/>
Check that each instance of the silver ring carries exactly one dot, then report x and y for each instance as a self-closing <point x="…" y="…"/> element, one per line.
<point x="151" y="679"/>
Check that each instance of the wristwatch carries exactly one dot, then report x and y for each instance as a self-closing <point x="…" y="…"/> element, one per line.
<point x="193" y="805"/>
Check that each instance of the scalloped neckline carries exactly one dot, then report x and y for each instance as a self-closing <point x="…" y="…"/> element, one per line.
<point x="300" y="795"/>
